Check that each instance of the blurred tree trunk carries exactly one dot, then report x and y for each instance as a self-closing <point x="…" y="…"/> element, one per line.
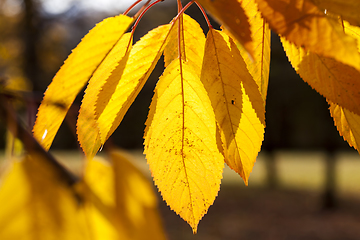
<point x="329" y="195"/>
<point x="32" y="70"/>
<point x="32" y="32"/>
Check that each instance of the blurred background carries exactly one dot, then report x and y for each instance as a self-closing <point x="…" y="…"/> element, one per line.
<point x="305" y="184"/>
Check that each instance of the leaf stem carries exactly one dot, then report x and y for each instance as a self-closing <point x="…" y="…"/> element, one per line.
<point x="141" y="13"/>
<point x="184" y="9"/>
<point x="205" y="15"/>
<point x="179" y="5"/>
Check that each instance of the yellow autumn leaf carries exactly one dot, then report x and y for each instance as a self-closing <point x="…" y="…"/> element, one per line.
<point x="302" y="23"/>
<point x="124" y="190"/>
<point x="352" y="31"/>
<point x="180" y="135"/>
<point x="36" y="205"/>
<point x="143" y="58"/>
<point x="347" y="123"/>
<point x="337" y="82"/>
<point x="348" y="9"/>
<point x="171" y="51"/>
<point x="236" y="100"/>
<point x="232" y="15"/>
<point x="74" y="74"/>
<point x="259" y="65"/>
<point x="101" y="86"/>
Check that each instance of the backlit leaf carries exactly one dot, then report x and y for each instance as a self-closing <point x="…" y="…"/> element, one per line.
<point x="348" y="9"/>
<point x="143" y="58"/>
<point x="347" y="123"/>
<point x="232" y="15"/>
<point x="237" y="102"/>
<point x="101" y="85"/>
<point x="352" y="31"/>
<point x="171" y="51"/>
<point x="337" y="82"/>
<point x="74" y="74"/>
<point x="259" y="65"/>
<point x="302" y="23"/>
<point x="180" y="135"/>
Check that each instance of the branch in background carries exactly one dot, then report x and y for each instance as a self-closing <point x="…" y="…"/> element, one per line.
<point x="30" y="144"/>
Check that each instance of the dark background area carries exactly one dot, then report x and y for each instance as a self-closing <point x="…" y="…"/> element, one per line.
<point x="296" y="116"/>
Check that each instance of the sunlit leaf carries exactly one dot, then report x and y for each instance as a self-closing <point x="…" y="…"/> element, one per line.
<point x="232" y="15"/>
<point x="337" y="82"/>
<point x="302" y="23"/>
<point x="348" y="9"/>
<point x="259" y="65"/>
<point x="171" y="50"/>
<point x="347" y="123"/>
<point x="142" y="60"/>
<point x="237" y="102"/>
<point x="74" y="74"/>
<point x="101" y="86"/>
<point x="352" y="31"/>
<point x="180" y="136"/>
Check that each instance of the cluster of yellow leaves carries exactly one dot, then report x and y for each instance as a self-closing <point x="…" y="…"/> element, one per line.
<point x="113" y="201"/>
<point x="209" y="105"/>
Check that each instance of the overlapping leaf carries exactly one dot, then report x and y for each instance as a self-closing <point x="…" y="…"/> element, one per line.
<point x="347" y="123"/>
<point x="352" y="31"/>
<point x="302" y="23"/>
<point x="180" y="136"/>
<point x="142" y="60"/>
<point x="232" y="15"/>
<point x="237" y="102"/>
<point x="259" y="65"/>
<point x="348" y="10"/>
<point x="74" y="74"/>
<point x="105" y="80"/>
<point x="335" y="81"/>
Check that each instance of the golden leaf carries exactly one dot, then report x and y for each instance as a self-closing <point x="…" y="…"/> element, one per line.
<point x="348" y="10"/>
<point x="101" y="86"/>
<point x="259" y="65"/>
<point x="302" y="23"/>
<point x="143" y="58"/>
<point x="237" y="102"/>
<point x="180" y="135"/>
<point x="171" y="50"/>
<point x="347" y="123"/>
<point x="232" y="16"/>
<point x="337" y="82"/>
<point x="74" y="74"/>
<point x="352" y="31"/>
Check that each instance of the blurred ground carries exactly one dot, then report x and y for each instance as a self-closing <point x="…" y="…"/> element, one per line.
<point x="291" y="211"/>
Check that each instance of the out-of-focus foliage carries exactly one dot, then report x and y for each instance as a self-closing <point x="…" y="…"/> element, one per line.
<point x="113" y="201"/>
